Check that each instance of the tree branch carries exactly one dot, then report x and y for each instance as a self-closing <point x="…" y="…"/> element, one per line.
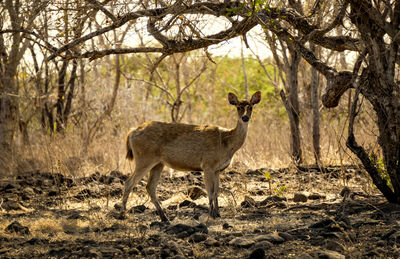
<point x="100" y="7"/>
<point x="352" y="144"/>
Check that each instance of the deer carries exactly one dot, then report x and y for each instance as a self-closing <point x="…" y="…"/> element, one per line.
<point x="186" y="147"/>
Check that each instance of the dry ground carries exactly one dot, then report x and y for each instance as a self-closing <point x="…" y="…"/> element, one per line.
<point x="287" y="213"/>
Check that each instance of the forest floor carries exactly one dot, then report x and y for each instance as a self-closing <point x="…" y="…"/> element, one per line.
<point x="285" y="213"/>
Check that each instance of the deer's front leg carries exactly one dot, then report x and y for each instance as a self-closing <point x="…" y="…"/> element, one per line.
<point x="211" y="181"/>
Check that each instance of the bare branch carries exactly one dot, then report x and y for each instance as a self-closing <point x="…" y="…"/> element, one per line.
<point x="47" y="44"/>
<point x="338" y="43"/>
<point x="101" y="53"/>
<point x="98" y="6"/>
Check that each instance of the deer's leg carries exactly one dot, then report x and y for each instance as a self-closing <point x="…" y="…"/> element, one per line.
<point x="210" y="181"/>
<point x="151" y="187"/>
<point x="140" y="171"/>
<point x="216" y="193"/>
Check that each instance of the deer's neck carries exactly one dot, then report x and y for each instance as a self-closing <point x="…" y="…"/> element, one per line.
<point x="236" y="137"/>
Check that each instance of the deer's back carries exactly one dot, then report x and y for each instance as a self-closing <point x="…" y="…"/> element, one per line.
<point x="181" y="146"/>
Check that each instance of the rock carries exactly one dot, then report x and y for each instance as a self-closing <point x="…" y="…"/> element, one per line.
<point x="212" y="242"/>
<point x="248" y="202"/>
<point x="226" y="226"/>
<point x="52" y="193"/>
<point x="120" y="215"/>
<point x="133" y="251"/>
<point x="197" y="237"/>
<point x="182" y="230"/>
<point x="11" y="205"/>
<point x="28" y="192"/>
<point x="118" y="207"/>
<point x="75" y="215"/>
<point x="116" y="192"/>
<point x="332" y="225"/>
<point x="201" y="228"/>
<point x="16" y="227"/>
<point x="149" y="251"/>
<point x="316" y="196"/>
<point x="271" y="199"/>
<point x="106" y="179"/>
<point x="9" y="187"/>
<point x="158" y="225"/>
<point x="381" y="243"/>
<point x="172" y="207"/>
<point x="195" y="192"/>
<point x="59" y="253"/>
<point x="165" y="252"/>
<point x="286" y="236"/>
<point x="241" y="242"/>
<point x="299" y="197"/>
<point x="137" y="209"/>
<point x="334" y="246"/>
<point x="258" y="253"/>
<point x="274" y="238"/>
<point x="114" y="227"/>
<point x="305" y="256"/>
<point x="33" y="241"/>
<point x="109" y="252"/>
<point x="90" y="252"/>
<point x="265" y="245"/>
<point x="328" y="254"/>
<point x="84" y="194"/>
<point x="179" y="228"/>
<point x="187" y="203"/>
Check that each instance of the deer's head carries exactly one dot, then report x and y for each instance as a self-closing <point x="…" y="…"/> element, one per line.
<point x="244" y="108"/>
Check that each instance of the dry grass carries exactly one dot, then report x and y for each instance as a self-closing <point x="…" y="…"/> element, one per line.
<point x="267" y="144"/>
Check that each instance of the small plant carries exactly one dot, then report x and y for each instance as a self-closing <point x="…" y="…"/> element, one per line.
<point x="279" y="190"/>
<point x="268" y="177"/>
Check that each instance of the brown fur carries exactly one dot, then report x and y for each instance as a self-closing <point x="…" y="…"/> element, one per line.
<point x="186" y="147"/>
<point x="129" y="151"/>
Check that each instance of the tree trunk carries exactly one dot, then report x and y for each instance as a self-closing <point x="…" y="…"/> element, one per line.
<point x="8" y="113"/>
<point x="315" y="111"/>
<point x="293" y="108"/>
<point x="387" y="139"/>
<point x="61" y="97"/>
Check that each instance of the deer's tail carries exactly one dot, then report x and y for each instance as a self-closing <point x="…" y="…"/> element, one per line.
<point x="129" y="151"/>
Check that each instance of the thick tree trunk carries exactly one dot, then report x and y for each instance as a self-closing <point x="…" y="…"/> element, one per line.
<point x="61" y="97"/>
<point x="387" y="108"/>
<point x="293" y="108"/>
<point x="8" y="121"/>
<point x="315" y="111"/>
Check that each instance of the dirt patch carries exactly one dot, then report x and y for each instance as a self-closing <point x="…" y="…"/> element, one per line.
<point x="312" y="213"/>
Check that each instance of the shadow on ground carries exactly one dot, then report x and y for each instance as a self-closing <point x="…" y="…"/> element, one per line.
<point x="285" y="213"/>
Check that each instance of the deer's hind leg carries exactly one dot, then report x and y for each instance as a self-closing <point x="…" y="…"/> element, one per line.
<point x="141" y="168"/>
<point x="151" y="187"/>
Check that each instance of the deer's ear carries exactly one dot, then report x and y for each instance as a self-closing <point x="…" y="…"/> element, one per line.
<point x="233" y="99"/>
<point x="256" y="98"/>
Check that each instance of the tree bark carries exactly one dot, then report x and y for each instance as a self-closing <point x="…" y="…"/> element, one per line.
<point x="315" y="111"/>
<point x="293" y="107"/>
